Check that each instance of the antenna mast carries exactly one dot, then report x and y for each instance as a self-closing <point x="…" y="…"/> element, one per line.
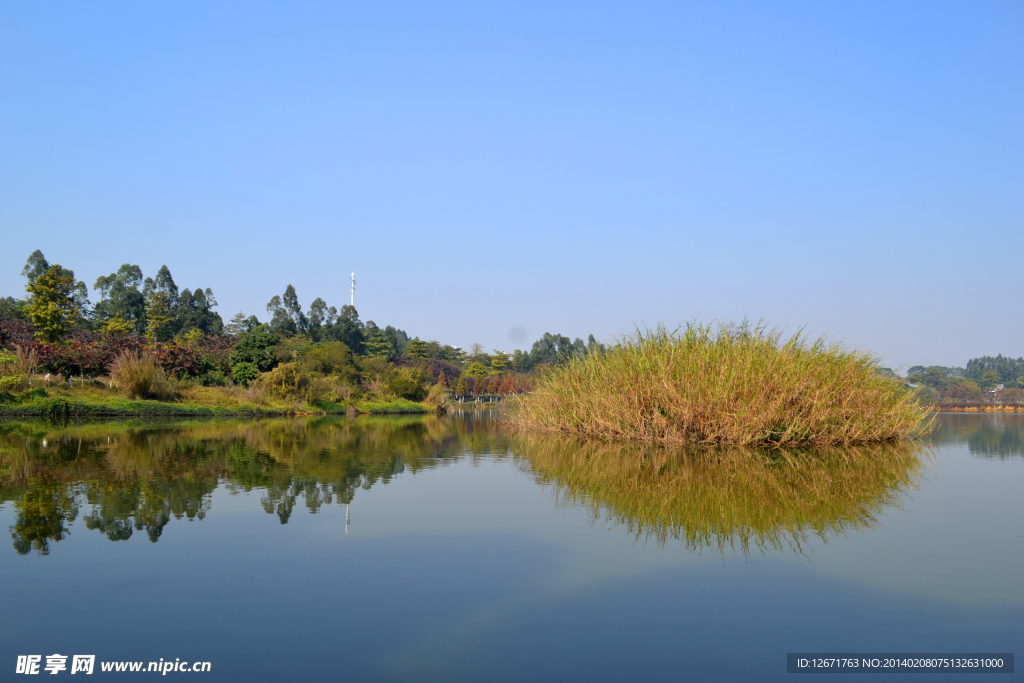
<point x="353" y="289"/>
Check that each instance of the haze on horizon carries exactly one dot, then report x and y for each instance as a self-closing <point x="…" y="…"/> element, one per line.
<point x="574" y="168"/>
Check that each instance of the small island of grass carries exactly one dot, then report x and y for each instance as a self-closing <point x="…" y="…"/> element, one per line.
<point x="723" y="386"/>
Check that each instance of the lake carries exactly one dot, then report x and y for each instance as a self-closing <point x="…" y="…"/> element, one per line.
<point x="445" y="549"/>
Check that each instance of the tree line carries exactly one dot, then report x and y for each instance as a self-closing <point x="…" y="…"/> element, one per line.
<point x="73" y="335"/>
<point x="985" y="374"/>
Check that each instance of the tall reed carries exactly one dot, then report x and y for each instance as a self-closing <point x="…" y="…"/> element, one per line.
<point x="715" y="385"/>
<point x="26" y="361"/>
<point x="140" y="375"/>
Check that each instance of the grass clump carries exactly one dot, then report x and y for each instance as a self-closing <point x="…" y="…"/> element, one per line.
<point x="140" y="376"/>
<point x="723" y="386"/>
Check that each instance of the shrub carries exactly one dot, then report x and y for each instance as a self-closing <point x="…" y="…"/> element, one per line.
<point x="75" y="358"/>
<point x="257" y="347"/>
<point x="407" y="383"/>
<point x="285" y="381"/>
<point x="11" y="383"/>
<point x="333" y="358"/>
<point x="327" y="389"/>
<point x="245" y="373"/>
<point x="1011" y="395"/>
<point x="965" y="390"/>
<point x="140" y="375"/>
<point x="214" y="378"/>
<point x="736" y="387"/>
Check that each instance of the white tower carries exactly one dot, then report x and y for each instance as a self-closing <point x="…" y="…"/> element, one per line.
<point x="353" y="289"/>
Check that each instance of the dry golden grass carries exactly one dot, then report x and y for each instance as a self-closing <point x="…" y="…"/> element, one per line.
<point x="707" y="385"/>
<point x="140" y="376"/>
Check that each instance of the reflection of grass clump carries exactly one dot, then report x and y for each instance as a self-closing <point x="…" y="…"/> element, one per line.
<point x="726" y="387"/>
<point x="724" y="497"/>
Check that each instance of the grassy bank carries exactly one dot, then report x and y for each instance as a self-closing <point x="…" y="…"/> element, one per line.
<point x="97" y="399"/>
<point x="727" y="387"/>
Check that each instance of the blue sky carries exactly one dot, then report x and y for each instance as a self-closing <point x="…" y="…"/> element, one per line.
<point x="854" y="168"/>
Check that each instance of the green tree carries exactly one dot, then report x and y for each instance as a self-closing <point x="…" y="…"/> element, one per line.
<point x="965" y="390"/>
<point x="35" y="266"/>
<point x="332" y="358"/>
<point x="935" y="376"/>
<point x="348" y="329"/>
<point x="553" y="349"/>
<point x="500" y="361"/>
<point x="1009" y="370"/>
<point x="290" y="301"/>
<point x="257" y="347"/>
<point x="52" y="305"/>
<point x="245" y="373"/>
<point x="317" y="316"/>
<point x="195" y="311"/>
<point x="115" y="327"/>
<point x="461" y="387"/>
<point x="416" y="348"/>
<point x="988" y="380"/>
<point x="280" y="321"/>
<point x="158" y="316"/>
<point x="240" y="324"/>
<point x="408" y="383"/>
<point x="14" y="309"/>
<point x="120" y="297"/>
<point x="164" y="285"/>
<point x="398" y="339"/>
<point x="475" y="370"/>
<point x="379" y="345"/>
<point x="521" y="361"/>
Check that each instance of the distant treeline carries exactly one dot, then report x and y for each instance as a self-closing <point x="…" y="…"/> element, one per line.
<point x="984" y="374"/>
<point x="72" y="335"/>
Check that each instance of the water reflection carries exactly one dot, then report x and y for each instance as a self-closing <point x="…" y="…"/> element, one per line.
<point x="138" y="476"/>
<point x="728" y="498"/>
<point x="126" y="478"/>
<point x="992" y="435"/>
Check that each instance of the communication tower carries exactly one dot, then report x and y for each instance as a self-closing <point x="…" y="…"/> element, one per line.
<point x="353" y="289"/>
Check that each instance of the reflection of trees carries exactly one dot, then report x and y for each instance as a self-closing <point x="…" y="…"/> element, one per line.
<point x="986" y="435"/>
<point x="145" y="505"/>
<point x="43" y="509"/>
<point x="729" y="497"/>
<point x="138" y="476"/>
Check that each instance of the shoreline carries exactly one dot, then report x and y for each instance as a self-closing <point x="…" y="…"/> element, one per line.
<point x="61" y="407"/>
<point x="977" y="408"/>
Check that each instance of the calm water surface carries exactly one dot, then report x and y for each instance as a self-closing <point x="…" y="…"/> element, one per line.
<point x="421" y="549"/>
